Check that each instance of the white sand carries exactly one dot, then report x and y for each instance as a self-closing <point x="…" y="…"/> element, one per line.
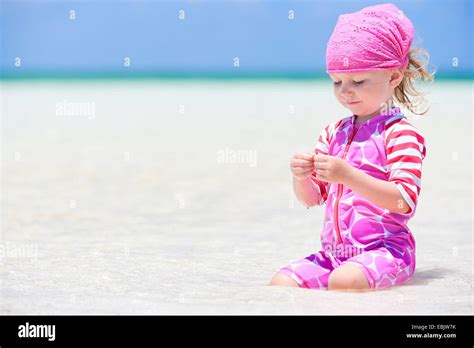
<point x="131" y="211"/>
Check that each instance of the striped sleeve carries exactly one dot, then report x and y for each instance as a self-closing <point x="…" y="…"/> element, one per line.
<point x="322" y="146"/>
<point x="405" y="148"/>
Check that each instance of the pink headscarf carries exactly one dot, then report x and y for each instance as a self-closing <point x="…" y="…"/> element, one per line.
<point x="374" y="38"/>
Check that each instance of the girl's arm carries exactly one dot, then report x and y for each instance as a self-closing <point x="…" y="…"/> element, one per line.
<point x="306" y="191"/>
<point x="380" y="192"/>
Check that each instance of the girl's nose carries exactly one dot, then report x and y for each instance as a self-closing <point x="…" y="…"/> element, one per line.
<point x="346" y="91"/>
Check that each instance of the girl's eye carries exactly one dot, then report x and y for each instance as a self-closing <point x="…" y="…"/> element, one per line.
<point x="357" y="83"/>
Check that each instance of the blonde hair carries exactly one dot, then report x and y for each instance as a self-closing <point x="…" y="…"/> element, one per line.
<point x="406" y="93"/>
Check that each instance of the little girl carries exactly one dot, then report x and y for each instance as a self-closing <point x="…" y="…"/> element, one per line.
<point x="366" y="167"/>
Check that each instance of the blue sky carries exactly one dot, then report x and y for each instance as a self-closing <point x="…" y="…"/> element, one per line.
<point x="212" y="34"/>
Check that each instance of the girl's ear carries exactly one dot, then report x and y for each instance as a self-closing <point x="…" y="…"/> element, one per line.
<point x="396" y="77"/>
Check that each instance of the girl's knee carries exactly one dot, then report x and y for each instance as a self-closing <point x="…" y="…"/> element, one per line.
<point x="282" y="279"/>
<point x="348" y="277"/>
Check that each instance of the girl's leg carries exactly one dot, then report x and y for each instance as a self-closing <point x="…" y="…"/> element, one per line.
<point x="312" y="272"/>
<point x="383" y="267"/>
<point x="348" y="277"/>
<point x="281" y="279"/>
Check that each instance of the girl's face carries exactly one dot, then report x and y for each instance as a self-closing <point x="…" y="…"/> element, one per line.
<point x="365" y="93"/>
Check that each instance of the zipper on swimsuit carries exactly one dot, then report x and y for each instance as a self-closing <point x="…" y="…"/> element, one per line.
<point x="339" y="187"/>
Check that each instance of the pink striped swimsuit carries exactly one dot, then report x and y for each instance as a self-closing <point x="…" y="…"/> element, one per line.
<point x="355" y="230"/>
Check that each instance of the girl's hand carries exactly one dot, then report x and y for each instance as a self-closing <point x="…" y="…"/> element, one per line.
<point x="331" y="169"/>
<point x="302" y="165"/>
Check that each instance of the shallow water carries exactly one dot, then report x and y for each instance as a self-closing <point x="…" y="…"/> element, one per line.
<point x="169" y="197"/>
